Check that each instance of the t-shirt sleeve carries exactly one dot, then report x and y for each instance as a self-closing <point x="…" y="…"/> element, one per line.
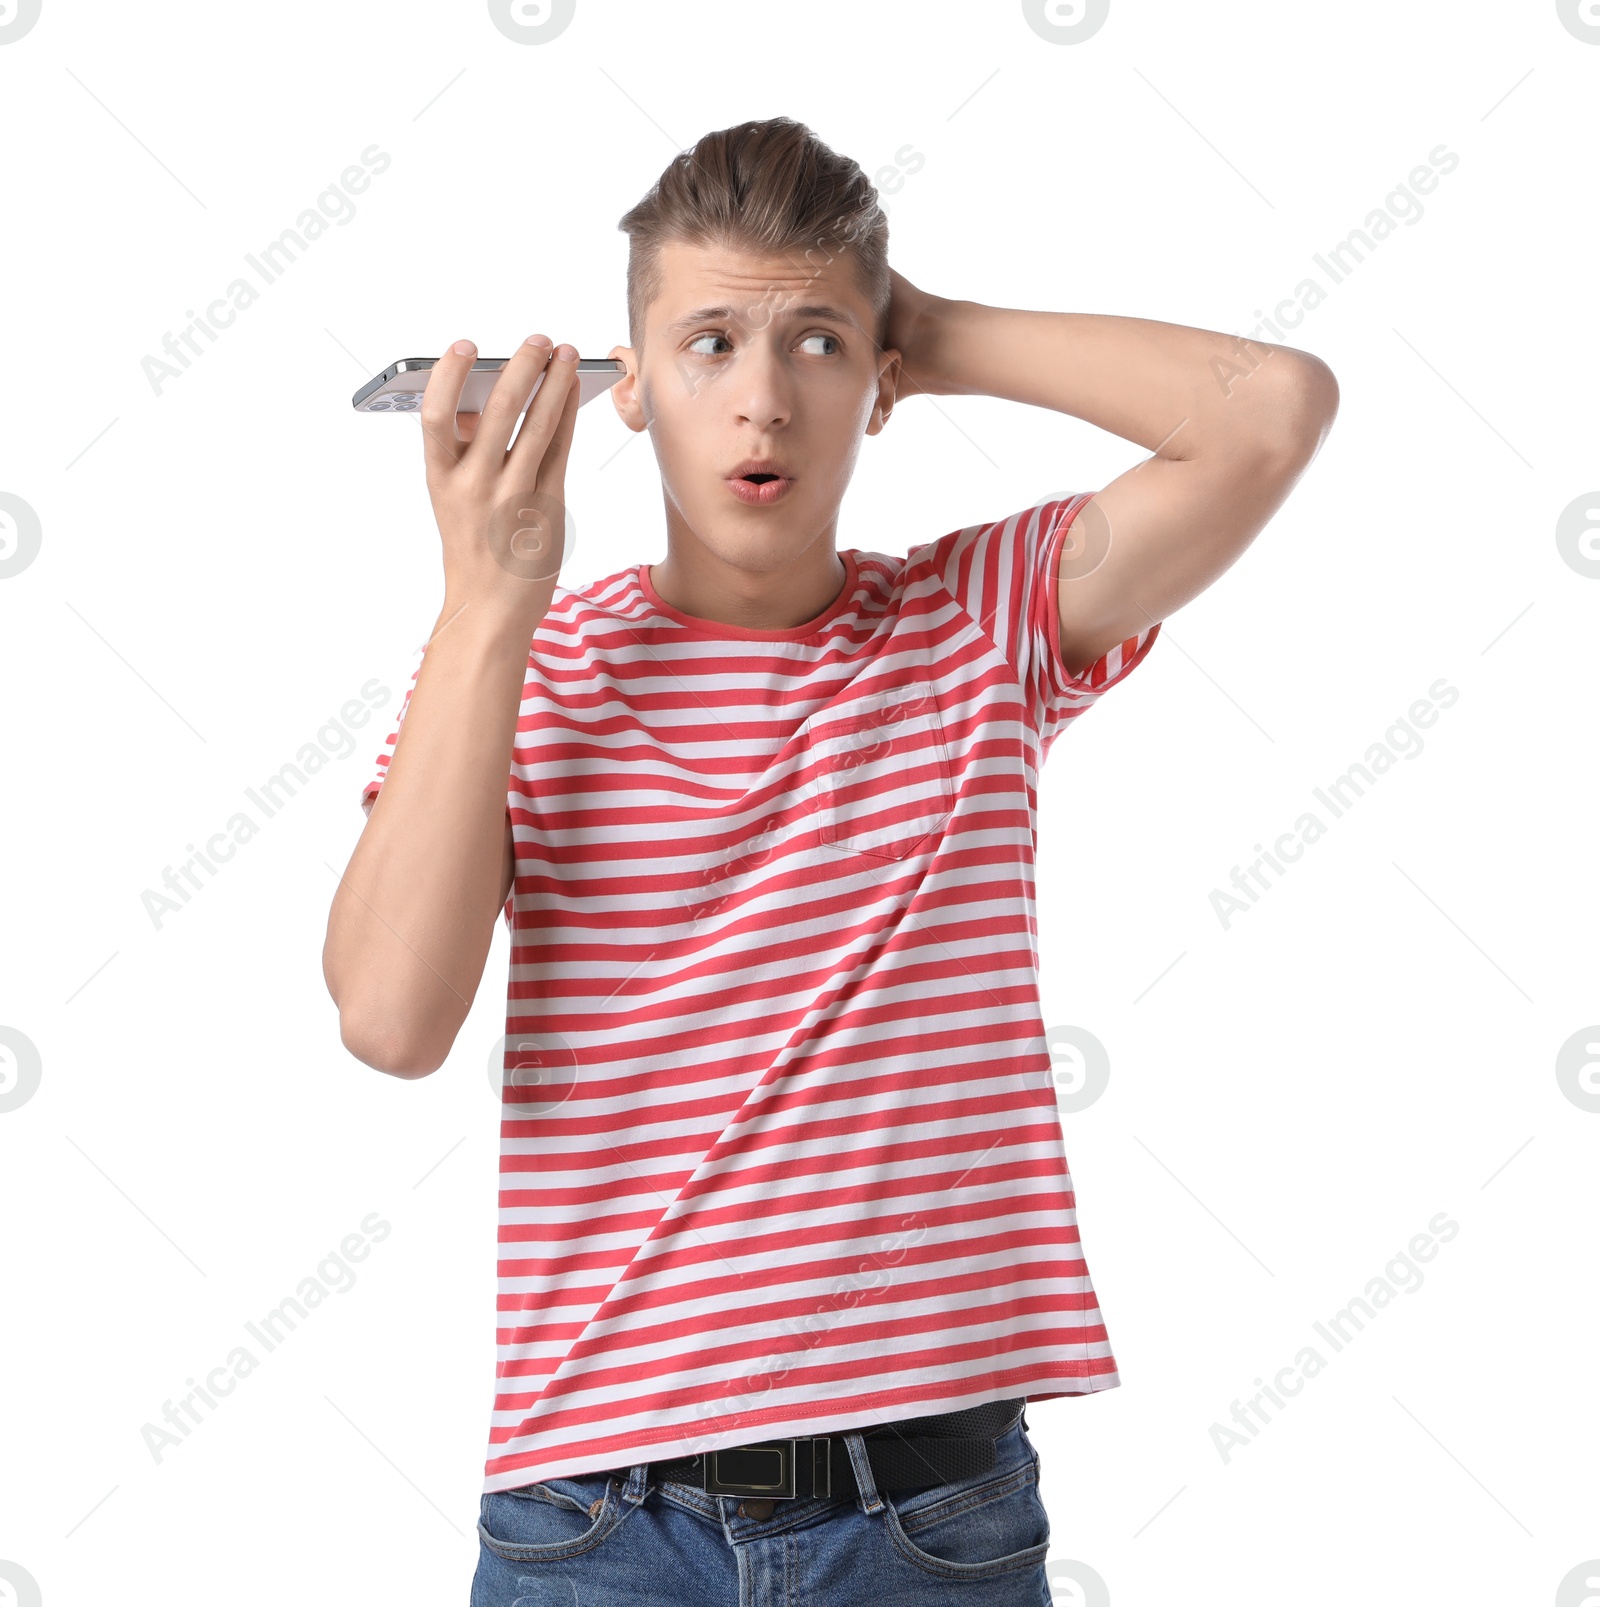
<point x="1004" y="576"/>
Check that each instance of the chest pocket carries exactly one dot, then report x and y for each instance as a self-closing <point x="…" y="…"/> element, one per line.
<point x="880" y="774"/>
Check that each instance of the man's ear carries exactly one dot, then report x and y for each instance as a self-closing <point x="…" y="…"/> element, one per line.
<point x="888" y="379"/>
<point x="625" y="393"/>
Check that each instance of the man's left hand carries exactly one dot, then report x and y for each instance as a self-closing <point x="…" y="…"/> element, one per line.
<point x="913" y="327"/>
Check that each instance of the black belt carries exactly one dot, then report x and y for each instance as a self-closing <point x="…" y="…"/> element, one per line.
<point x="912" y="1453"/>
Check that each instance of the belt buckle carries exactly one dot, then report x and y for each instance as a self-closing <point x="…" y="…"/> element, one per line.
<point x="756" y="1460"/>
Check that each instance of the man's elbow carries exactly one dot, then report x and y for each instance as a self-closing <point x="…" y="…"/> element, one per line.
<point x="1304" y="401"/>
<point x="384" y="1049"/>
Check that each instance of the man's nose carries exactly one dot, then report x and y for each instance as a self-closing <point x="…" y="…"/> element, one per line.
<point x="763" y="395"/>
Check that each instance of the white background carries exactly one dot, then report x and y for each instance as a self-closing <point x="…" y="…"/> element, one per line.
<point x="1292" y="1097"/>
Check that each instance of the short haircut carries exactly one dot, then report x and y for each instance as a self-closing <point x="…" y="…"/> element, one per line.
<point x="768" y="188"/>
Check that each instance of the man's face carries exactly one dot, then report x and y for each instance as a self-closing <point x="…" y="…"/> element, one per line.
<point x="751" y="357"/>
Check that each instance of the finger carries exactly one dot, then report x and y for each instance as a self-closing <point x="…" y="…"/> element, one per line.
<point x="544" y="414"/>
<point x="508" y="398"/>
<point x="552" y="466"/>
<point x="441" y="445"/>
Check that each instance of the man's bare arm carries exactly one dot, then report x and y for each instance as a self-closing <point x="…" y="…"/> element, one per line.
<point x="1232" y="425"/>
<point x="413" y="917"/>
<point x="508" y="851"/>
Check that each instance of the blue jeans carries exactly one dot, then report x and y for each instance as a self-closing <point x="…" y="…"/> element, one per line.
<point x="594" y="1540"/>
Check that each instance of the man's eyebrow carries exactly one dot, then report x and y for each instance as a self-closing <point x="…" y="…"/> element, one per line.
<point x="703" y="315"/>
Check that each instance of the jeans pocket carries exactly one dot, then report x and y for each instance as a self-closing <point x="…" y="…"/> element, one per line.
<point x="884" y="786"/>
<point x="993" y="1523"/>
<point x="550" y="1520"/>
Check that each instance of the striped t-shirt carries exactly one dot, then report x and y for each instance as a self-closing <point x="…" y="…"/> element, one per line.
<point x="780" y="1151"/>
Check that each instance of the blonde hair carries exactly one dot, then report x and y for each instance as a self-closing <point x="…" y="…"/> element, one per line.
<point x="765" y="187"/>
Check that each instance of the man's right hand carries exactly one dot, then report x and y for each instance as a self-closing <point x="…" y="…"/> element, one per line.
<point x="414" y="914"/>
<point x="501" y="507"/>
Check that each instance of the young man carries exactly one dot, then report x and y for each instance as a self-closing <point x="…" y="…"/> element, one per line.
<point x="787" y="1234"/>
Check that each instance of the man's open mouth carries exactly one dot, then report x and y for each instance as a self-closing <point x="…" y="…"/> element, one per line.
<point x="759" y="487"/>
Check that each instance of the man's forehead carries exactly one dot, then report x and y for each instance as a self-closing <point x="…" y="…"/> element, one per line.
<point x="705" y="276"/>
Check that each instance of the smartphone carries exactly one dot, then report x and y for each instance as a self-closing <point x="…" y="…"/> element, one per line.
<point x="398" y="389"/>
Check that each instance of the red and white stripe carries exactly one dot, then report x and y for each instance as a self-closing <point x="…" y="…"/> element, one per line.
<point x="780" y="1151"/>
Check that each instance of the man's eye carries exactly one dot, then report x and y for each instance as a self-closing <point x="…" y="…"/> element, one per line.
<point x="698" y="346"/>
